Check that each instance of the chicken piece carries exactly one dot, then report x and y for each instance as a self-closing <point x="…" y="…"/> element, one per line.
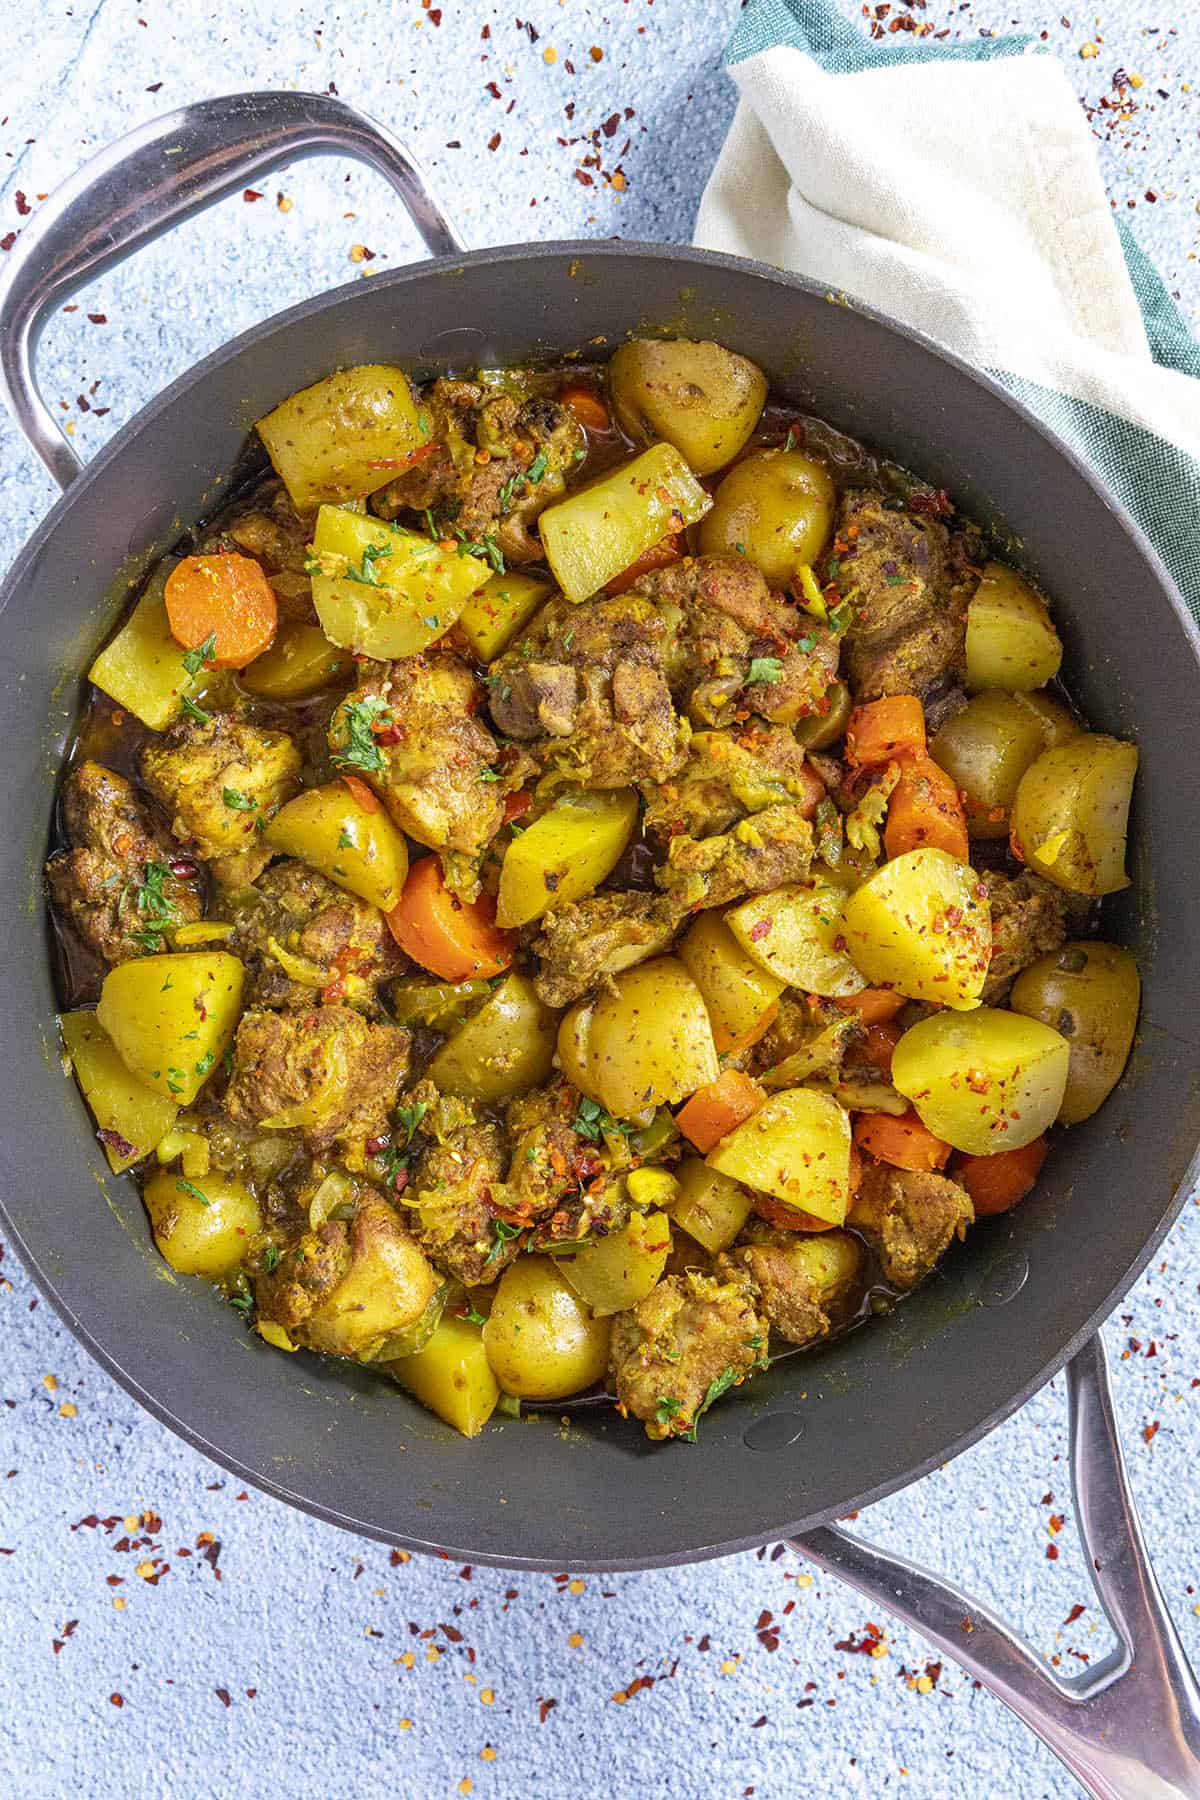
<point x="300" y="936"/>
<point x="409" y="728"/>
<point x="276" y="535"/>
<point x="909" y="1219"/>
<point x="601" y="935"/>
<point x="326" y="1071"/>
<point x="773" y="848"/>
<point x="550" y="1159"/>
<point x="804" y="1299"/>
<point x="117" y="885"/>
<point x="353" y="1287"/>
<point x="1029" y="917"/>
<point x="729" y="774"/>
<point x="221" y="780"/>
<point x="499" y="462"/>
<point x="680" y="1348"/>
<point x="451" y="1193"/>
<point x="909" y="581"/>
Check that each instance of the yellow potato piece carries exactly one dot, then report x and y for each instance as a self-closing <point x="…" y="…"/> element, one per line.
<point x="985" y="749"/>
<point x="702" y="398"/>
<point x="983" y="1081"/>
<point x="504" y="1048"/>
<point x="119" y="1102"/>
<point x="300" y="662"/>
<point x="362" y="851"/>
<point x="408" y="590"/>
<point x="647" y="1041"/>
<point x="142" y="668"/>
<point x="620" y="1270"/>
<point x="492" y="618"/>
<point x="795" y="934"/>
<point x="346" y="435"/>
<point x="201" y="1227"/>
<point x="736" y="989"/>
<point x="920" y="925"/>
<point x="1089" y="992"/>
<point x="451" y="1376"/>
<point x="594" y="534"/>
<point x="710" y="1207"/>
<point x="796" y="1147"/>
<point x="1011" y="640"/>
<point x="173" y="1017"/>
<point x="774" y="507"/>
<point x="541" y="1340"/>
<point x="1071" y="812"/>
<point x="565" y="854"/>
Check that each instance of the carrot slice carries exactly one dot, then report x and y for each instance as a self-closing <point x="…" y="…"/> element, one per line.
<point x="224" y="597"/>
<point x="903" y="1142"/>
<point x="362" y="793"/>
<point x="787" y="1218"/>
<point x="587" y="406"/>
<point x="452" y="938"/>
<point x="713" y="1111"/>
<point x="873" y="1005"/>
<point x="881" y="1040"/>
<point x="517" y="804"/>
<point x="997" y="1183"/>
<point x="656" y="557"/>
<point x="926" y="812"/>
<point x="732" y="1046"/>
<point x="884" y="730"/>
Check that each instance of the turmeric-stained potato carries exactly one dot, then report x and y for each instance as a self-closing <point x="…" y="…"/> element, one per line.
<point x="1011" y="640"/>
<point x="795" y="1147"/>
<point x="599" y="530"/>
<point x="741" y="995"/>
<point x="921" y="925"/>
<point x="132" y="1117"/>
<point x="820" y="729"/>
<point x="565" y="854"/>
<point x="983" y="1081"/>
<point x="355" y="845"/>
<point x="504" y="605"/>
<point x="345" y="436"/>
<point x="796" y="933"/>
<point x="451" y="1375"/>
<point x="1056" y="721"/>
<point x="142" y="668"/>
<point x="985" y="749"/>
<point x="381" y="591"/>
<point x="709" y="1206"/>
<point x="386" y="1290"/>
<point x="173" y="1017"/>
<point x="202" y="1227"/>
<point x="644" y="1042"/>
<point x="504" y="1048"/>
<point x="620" y="1270"/>
<point x="300" y="662"/>
<point x="1090" y="993"/>
<point x="1071" y="811"/>
<point x="775" y="507"/>
<point x="702" y="398"/>
<point x="541" y="1339"/>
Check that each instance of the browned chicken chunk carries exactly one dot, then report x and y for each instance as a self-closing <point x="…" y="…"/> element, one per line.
<point x="220" y="781"/>
<point x="680" y="1348"/>
<point x="598" y="936"/>
<point x="301" y="938"/>
<point x="909" y="1218"/>
<point x="762" y="853"/>
<point x="451" y="1194"/>
<point x="279" y="538"/>
<point x="327" y="1071"/>
<point x="806" y="1285"/>
<point x="1029" y="917"/>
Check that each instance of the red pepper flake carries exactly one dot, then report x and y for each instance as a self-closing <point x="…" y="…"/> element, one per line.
<point x="223" y="1696"/>
<point x="116" y="1700"/>
<point x="705" y="1643"/>
<point x="494" y="141"/>
<point x="452" y="1632"/>
<point x="23" y="206"/>
<point x="545" y="1708"/>
<point x="1076" y="1612"/>
<point x="112" y="1140"/>
<point x="937" y="505"/>
<point x="1051" y="1552"/>
<point x="8" y="240"/>
<point x="249" y="194"/>
<point x="98" y="318"/>
<point x="154" y="87"/>
<point x="583" y="178"/>
<point x="1149" y="1432"/>
<point x="596" y="53"/>
<point x="758" y="932"/>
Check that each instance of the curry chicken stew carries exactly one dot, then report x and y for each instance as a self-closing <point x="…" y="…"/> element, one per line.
<point x="580" y="881"/>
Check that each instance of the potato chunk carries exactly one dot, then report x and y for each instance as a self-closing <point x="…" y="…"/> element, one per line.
<point x="142" y="669"/>
<point x="344" y="436"/>
<point x="983" y="1081"/>
<point x="565" y="854"/>
<point x="173" y="1017"/>
<point x="795" y="934"/>
<point x="1090" y="993"/>
<point x="702" y="398"/>
<point x="775" y="507"/>
<point x="741" y="995"/>
<point x="504" y="1048"/>
<point x="201" y="1227"/>
<point x="600" y="530"/>
<point x="451" y="1376"/>
<point x="504" y="606"/>
<point x="132" y="1117"/>
<point x="541" y="1340"/>
<point x="621" y="1269"/>
<point x="385" y="592"/>
<point x="1071" y="811"/>
<point x="1011" y="640"/>
<point x="921" y="924"/>
<point x="795" y="1147"/>
<point x="986" y="749"/>
<point x="645" y="1042"/>
<point x="333" y="832"/>
<point x="709" y="1206"/>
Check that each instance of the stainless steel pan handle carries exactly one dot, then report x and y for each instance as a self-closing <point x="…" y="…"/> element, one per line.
<point x="1129" y="1727"/>
<point x="130" y="193"/>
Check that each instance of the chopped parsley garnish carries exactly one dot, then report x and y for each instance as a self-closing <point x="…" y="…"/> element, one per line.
<point x="360" y="751"/>
<point x="237" y="801"/>
<point x="393" y="1163"/>
<point x="206" y="1062"/>
<point x="194" y="660"/>
<point x="431" y="622"/>
<point x="189" y="1187"/>
<point x="523" y="478"/>
<point x="155" y="908"/>
<point x="790" y="440"/>
<point x="593" y="1123"/>
<point x="193" y="711"/>
<point x="409" y="1117"/>
<point x="243" y="1302"/>
<point x="491" y="775"/>
<point x="469" y="1314"/>
<point x="764" y="669"/>
<point x="271" y="1259"/>
<point x="721" y="1385"/>
<point x="364" y="571"/>
<point x="805" y="644"/>
<point x="666" y="1407"/>
<point x="840" y="617"/>
<point x="345" y="841"/>
<point x="486" y="548"/>
<point x="505" y="1233"/>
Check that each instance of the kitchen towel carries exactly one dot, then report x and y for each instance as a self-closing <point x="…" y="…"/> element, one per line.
<point x="955" y="187"/>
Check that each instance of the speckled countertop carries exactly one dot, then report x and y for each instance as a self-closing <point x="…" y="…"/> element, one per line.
<point x="165" y="1630"/>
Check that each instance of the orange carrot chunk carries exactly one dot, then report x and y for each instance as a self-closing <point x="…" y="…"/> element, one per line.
<point x="903" y="1142"/>
<point x="873" y="1005"/>
<point x="452" y="938"/>
<point x="925" y="812"/>
<point x="362" y="793"/>
<point x="787" y="1218"/>
<point x="884" y="731"/>
<point x="587" y="406"/>
<point x="714" y="1110"/>
<point x="880" y="1041"/>
<point x="226" y="598"/>
<point x="656" y="557"/>
<point x="996" y="1183"/>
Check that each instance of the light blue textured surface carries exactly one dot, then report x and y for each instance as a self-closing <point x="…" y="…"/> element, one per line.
<point x="281" y="1664"/>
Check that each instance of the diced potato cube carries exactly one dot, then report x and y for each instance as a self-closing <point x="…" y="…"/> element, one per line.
<point x="452" y="1376"/>
<point x="565" y="854"/>
<point x="922" y="925"/>
<point x="142" y="668"/>
<point x="385" y="592"/>
<point x="172" y="1017"/>
<point x="492" y="618"/>
<point x="620" y="1270"/>
<point x="597" y="532"/>
<point x="330" y="829"/>
<point x="347" y="435"/>
<point x="796" y="1147"/>
<point x="1011" y="640"/>
<point x="711" y="1207"/>
<point x="795" y="934"/>
<point x="131" y="1116"/>
<point x="983" y="1081"/>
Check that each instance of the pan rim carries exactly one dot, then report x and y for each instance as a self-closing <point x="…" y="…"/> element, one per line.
<point x="592" y="250"/>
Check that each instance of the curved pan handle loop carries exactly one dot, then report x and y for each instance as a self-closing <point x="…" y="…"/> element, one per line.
<point x="1128" y="1728"/>
<point x="156" y="177"/>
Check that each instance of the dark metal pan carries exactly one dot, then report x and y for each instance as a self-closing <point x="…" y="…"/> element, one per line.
<point x="814" y="1437"/>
